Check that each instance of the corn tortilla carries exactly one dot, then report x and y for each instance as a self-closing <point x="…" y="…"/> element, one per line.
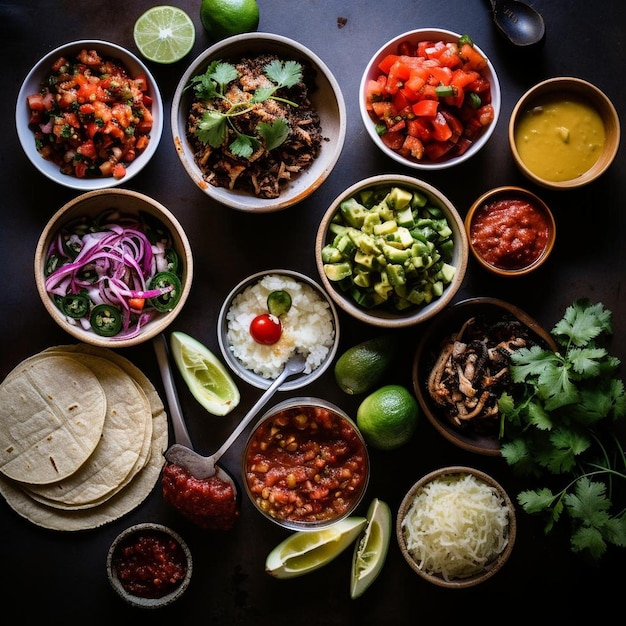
<point x="126" y="499"/>
<point x="52" y="413"/>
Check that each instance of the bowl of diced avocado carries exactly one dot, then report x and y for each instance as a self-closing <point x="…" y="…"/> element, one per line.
<point x="391" y="251"/>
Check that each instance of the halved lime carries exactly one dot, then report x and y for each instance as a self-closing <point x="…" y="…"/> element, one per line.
<point x="308" y="550"/>
<point x="164" y="34"/>
<point x="206" y="376"/>
<point x="370" y="551"/>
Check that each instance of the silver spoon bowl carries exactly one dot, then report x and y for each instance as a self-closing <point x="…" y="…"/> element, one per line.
<point x="518" y="22"/>
<point x="182" y="452"/>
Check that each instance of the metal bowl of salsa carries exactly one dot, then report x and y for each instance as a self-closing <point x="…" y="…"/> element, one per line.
<point x="305" y="464"/>
<point x="510" y="231"/>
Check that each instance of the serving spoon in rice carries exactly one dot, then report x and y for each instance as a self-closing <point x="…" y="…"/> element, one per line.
<point x="182" y="452"/>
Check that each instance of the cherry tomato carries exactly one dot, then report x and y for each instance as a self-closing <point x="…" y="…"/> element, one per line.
<point x="266" y="329"/>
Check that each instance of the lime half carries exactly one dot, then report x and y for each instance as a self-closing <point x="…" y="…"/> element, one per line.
<point x="205" y="375"/>
<point x="308" y="550"/>
<point x="164" y="34"/>
<point x="370" y="551"/>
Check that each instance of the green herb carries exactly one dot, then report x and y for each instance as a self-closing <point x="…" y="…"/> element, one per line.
<point x="214" y="124"/>
<point x="564" y="425"/>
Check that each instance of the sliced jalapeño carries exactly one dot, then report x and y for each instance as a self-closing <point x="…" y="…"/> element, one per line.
<point x="168" y="299"/>
<point x="106" y="320"/>
<point x="75" y="305"/>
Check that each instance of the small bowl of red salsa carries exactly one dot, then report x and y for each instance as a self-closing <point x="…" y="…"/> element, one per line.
<point x="305" y="464"/>
<point x="149" y="565"/>
<point x="511" y="231"/>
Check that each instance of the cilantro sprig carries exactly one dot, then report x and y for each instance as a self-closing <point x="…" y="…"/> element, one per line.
<point x="213" y="126"/>
<point x="565" y="425"/>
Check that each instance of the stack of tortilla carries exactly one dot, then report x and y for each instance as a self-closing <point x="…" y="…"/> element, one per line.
<point x="82" y="437"/>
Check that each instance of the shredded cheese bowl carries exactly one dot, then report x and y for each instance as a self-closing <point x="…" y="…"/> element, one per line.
<point x="456" y="527"/>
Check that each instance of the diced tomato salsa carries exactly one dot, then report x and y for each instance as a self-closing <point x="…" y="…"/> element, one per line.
<point x="90" y="117"/>
<point x="430" y="102"/>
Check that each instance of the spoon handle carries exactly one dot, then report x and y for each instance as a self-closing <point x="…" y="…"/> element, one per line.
<point x="181" y="435"/>
<point x="251" y="413"/>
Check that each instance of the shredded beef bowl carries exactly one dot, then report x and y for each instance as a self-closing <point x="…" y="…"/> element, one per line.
<point x="258" y="122"/>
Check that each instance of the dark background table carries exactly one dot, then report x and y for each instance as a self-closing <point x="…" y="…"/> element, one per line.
<point x="63" y="575"/>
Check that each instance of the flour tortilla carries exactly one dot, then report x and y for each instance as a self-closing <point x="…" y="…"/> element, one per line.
<point x="52" y="414"/>
<point x="127" y="419"/>
<point x="128" y="498"/>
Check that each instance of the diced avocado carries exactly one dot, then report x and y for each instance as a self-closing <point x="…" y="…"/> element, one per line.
<point x="345" y="245"/>
<point x="337" y="271"/>
<point x="372" y="219"/>
<point x="386" y="228"/>
<point x="382" y="287"/>
<point x="368" y="299"/>
<point x="395" y="255"/>
<point x="337" y="229"/>
<point x="330" y="254"/>
<point x="447" y="273"/>
<point x="399" y="198"/>
<point x="353" y="212"/>
<point x="403" y="237"/>
<point x="367" y="197"/>
<point x="361" y="278"/>
<point x="364" y="260"/>
<point x="368" y="244"/>
<point x="437" y="288"/>
<point x="395" y="274"/>
<point x="384" y="210"/>
<point x="419" y="200"/>
<point x="404" y="217"/>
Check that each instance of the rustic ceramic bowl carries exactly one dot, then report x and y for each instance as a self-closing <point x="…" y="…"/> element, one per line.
<point x="490" y="568"/>
<point x="32" y="84"/>
<point x="473" y="437"/>
<point x="92" y="204"/>
<point x="562" y="88"/>
<point x="326" y="98"/>
<point x="296" y="414"/>
<point x="504" y="256"/>
<point x="371" y="72"/>
<point x="163" y="537"/>
<point x="237" y="365"/>
<point x="383" y="316"/>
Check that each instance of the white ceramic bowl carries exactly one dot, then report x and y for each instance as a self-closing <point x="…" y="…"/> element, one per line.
<point x="252" y="377"/>
<point x="32" y="84"/>
<point x="326" y="98"/>
<point x="383" y="315"/>
<point x="413" y="37"/>
<point x="313" y="425"/>
<point x="92" y="204"/>
<point x="162" y="536"/>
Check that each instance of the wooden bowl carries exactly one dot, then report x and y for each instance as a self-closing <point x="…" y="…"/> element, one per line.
<point x="486" y="570"/>
<point x="473" y="437"/>
<point x="564" y="88"/>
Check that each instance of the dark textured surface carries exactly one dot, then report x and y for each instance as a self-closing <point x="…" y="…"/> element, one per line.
<point x="63" y="576"/>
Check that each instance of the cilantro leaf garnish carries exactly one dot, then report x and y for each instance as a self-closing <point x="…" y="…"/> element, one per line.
<point x="212" y="88"/>
<point x="562" y="422"/>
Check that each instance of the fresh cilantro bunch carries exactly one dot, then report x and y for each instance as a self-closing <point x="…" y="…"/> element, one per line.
<point x="565" y="424"/>
<point x="214" y="123"/>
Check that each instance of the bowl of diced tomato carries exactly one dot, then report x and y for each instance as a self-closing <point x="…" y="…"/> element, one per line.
<point x="430" y="98"/>
<point x="89" y="115"/>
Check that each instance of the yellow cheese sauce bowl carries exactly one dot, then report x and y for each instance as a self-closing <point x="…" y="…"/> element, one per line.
<point x="564" y="133"/>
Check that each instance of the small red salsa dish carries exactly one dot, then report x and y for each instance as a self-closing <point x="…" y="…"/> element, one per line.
<point x="149" y="565"/>
<point x="510" y="231"/>
<point x="305" y="464"/>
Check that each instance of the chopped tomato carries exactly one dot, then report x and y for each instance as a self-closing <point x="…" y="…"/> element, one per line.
<point x="393" y="140"/>
<point x="426" y="108"/>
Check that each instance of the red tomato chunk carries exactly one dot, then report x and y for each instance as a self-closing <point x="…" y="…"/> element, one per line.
<point x="210" y="503"/>
<point x="151" y="565"/>
<point x="90" y="117"/>
<point x="430" y="103"/>
<point x="509" y="234"/>
<point x="306" y="464"/>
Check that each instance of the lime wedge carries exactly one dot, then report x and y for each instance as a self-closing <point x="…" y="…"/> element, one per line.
<point x="370" y="551"/>
<point x="164" y="34"/>
<point x="205" y="375"/>
<point x="308" y="550"/>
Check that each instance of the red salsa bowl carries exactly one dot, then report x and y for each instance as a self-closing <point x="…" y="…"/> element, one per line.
<point x="305" y="464"/>
<point x="510" y="231"/>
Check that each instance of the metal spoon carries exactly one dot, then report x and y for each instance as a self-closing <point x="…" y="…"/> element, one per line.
<point x="518" y="22"/>
<point x="182" y="453"/>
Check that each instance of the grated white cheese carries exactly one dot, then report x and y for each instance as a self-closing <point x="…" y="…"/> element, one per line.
<point x="455" y="526"/>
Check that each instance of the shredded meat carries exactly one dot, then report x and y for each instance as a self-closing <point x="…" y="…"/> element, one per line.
<point x="471" y="371"/>
<point x="264" y="173"/>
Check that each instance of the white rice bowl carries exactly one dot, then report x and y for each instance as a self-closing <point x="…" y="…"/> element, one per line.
<point x="308" y="327"/>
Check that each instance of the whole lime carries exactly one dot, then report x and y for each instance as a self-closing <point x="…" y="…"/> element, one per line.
<point x="224" y="18"/>
<point x="387" y="418"/>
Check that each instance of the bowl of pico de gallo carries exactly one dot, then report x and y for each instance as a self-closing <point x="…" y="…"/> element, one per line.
<point x="89" y="115"/>
<point x="113" y="268"/>
<point x="430" y="98"/>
